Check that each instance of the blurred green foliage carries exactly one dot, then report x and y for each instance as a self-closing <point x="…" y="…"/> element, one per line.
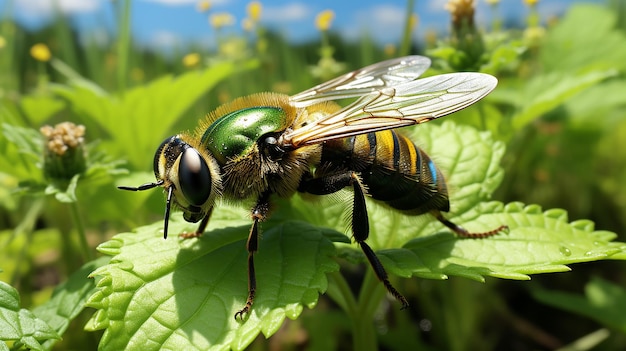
<point x="559" y="108"/>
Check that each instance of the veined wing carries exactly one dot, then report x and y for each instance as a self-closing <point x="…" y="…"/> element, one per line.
<point x="365" y="80"/>
<point x="412" y="102"/>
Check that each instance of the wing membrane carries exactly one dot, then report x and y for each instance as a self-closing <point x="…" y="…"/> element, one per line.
<point x="364" y="81"/>
<point x="408" y="103"/>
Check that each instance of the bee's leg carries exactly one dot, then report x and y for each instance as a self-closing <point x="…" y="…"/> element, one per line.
<point x="360" y="230"/>
<point x="259" y="213"/>
<point x="360" y="221"/>
<point x="200" y="229"/>
<point x="462" y="232"/>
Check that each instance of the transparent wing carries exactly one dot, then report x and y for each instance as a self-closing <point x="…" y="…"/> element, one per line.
<point x="412" y="102"/>
<point x="365" y="80"/>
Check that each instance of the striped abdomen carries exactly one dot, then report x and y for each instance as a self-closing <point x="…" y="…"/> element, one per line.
<point x="394" y="170"/>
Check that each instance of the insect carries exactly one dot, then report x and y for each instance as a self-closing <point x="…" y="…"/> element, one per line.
<point x="269" y="145"/>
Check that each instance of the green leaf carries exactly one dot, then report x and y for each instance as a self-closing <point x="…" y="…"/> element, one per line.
<point x="182" y="294"/>
<point x="21" y="325"/>
<point x="22" y="149"/>
<point x="145" y="114"/>
<point x="28" y="141"/>
<point x="64" y="191"/>
<point x="543" y="93"/>
<point x="604" y="302"/>
<point x="537" y="242"/>
<point x="40" y="108"/>
<point x="68" y="299"/>
<point x="571" y="47"/>
<point x="74" y="77"/>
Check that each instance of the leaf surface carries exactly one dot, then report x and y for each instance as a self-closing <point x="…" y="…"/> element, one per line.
<point x="19" y="324"/>
<point x="182" y="294"/>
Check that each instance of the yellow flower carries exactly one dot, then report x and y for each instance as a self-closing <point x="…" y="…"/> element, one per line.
<point x="191" y="60"/>
<point x="390" y="50"/>
<point x="531" y="2"/>
<point x="137" y="74"/>
<point x="3" y="42"/>
<point x="221" y="19"/>
<point x="460" y="7"/>
<point x="203" y="6"/>
<point x="462" y="12"/>
<point x="431" y="38"/>
<point x="254" y="10"/>
<point x="324" y="19"/>
<point x="534" y="35"/>
<point x="247" y="24"/>
<point x="414" y="20"/>
<point x="40" y="52"/>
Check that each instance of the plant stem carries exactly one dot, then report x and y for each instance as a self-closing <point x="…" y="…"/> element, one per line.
<point x="123" y="44"/>
<point x="27" y="227"/>
<point x="371" y="294"/>
<point x="405" y="47"/>
<point x="82" y="236"/>
<point x="363" y="332"/>
<point x="340" y="292"/>
<point x="361" y="313"/>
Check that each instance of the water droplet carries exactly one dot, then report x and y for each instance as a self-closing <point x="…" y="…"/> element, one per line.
<point x="565" y="251"/>
<point x="426" y="325"/>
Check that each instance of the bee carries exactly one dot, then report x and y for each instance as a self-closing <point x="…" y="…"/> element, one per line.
<point x="269" y="145"/>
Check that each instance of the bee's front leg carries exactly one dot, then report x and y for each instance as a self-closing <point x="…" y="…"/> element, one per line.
<point x="259" y="213"/>
<point x="200" y="229"/>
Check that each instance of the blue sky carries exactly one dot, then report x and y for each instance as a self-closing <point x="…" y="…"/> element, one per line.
<point x="163" y="23"/>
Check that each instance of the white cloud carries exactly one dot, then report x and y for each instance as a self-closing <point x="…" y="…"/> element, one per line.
<point x="549" y="9"/>
<point x="46" y="8"/>
<point x="438" y="6"/>
<point x="186" y="2"/>
<point x="174" y="2"/>
<point x="383" y="22"/>
<point x="165" y="40"/>
<point x="292" y="12"/>
<point x="386" y="16"/>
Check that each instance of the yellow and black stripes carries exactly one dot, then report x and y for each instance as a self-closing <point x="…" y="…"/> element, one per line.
<point x="393" y="169"/>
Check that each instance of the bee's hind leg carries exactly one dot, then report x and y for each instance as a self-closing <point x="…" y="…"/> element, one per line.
<point x="462" y="232"/>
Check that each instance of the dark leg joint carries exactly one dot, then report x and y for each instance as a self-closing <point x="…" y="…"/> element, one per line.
<point x="327" y="184"/>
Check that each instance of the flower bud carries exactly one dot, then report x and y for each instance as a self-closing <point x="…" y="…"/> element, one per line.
<point x="64" y="151"/>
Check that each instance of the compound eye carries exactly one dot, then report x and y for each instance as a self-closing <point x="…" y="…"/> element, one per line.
<point x="194" y="177"/>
